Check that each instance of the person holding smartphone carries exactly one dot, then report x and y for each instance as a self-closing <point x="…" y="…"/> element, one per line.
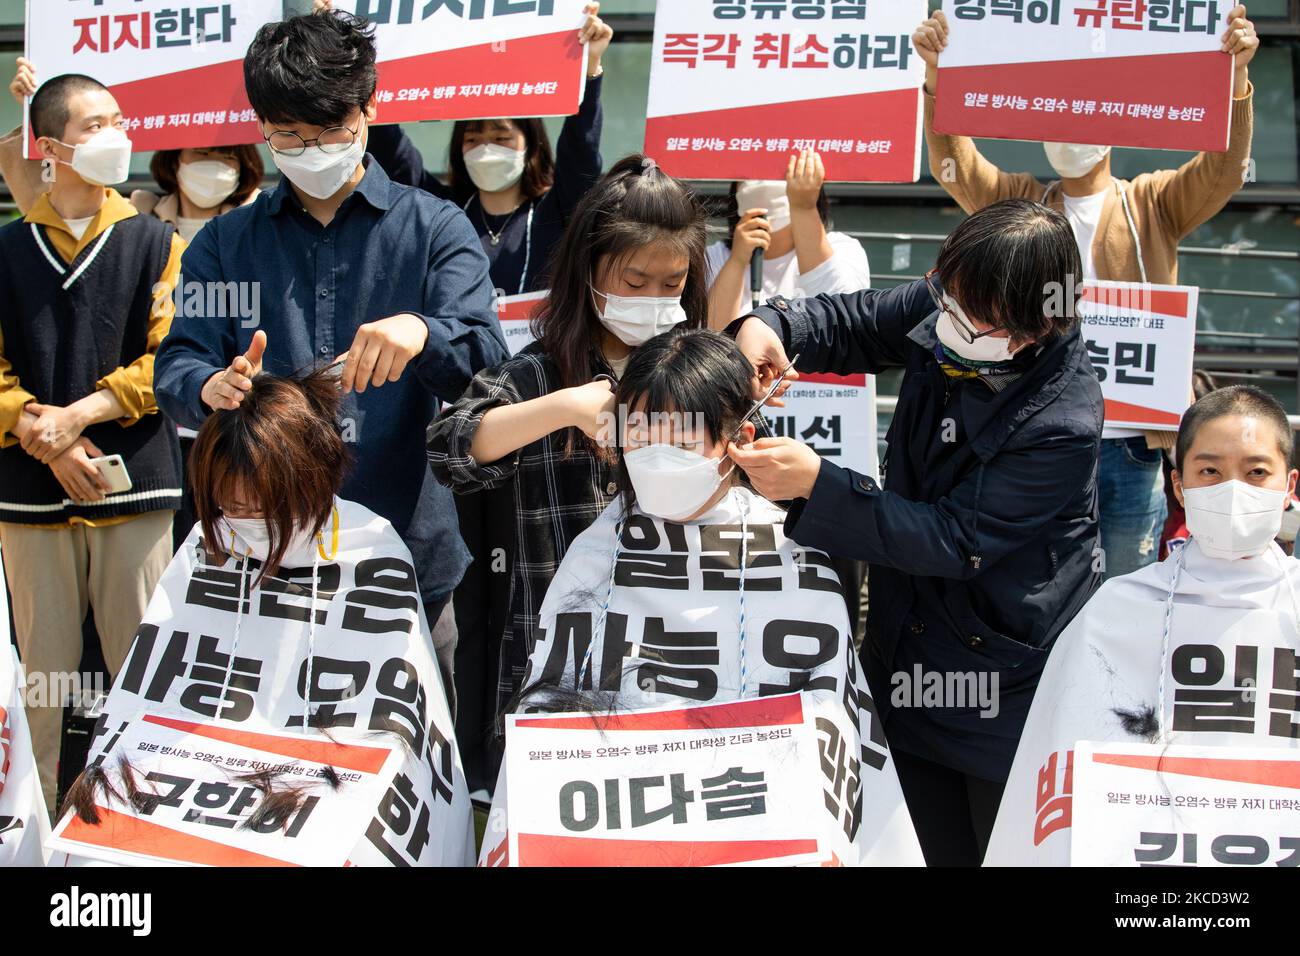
<point x="86" y="281"/>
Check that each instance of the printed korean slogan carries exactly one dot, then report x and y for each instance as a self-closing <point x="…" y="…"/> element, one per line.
<point x="1140" y="339"/>
<point x="1110" y="72"/>
<point x="469" y="59"/>
<point x="833" y="414"/>
<point x="646" y="615"/>
<point x="1228" y="679"/>
<point x="176" y="68"/>
<point x="736" y="86"/>
<point x="340" y="642"/>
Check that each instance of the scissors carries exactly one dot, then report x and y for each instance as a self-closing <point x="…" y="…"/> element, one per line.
<point x="763" y="401"/>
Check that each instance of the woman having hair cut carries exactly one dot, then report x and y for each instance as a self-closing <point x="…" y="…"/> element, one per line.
<point x="631" y="265"/>
<point x="287" y="610"/>
<point x="686" y="591"/>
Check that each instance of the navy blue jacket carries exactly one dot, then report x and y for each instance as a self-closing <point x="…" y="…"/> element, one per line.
<point x="390" y="249"/>
<point x="982" y="542"/>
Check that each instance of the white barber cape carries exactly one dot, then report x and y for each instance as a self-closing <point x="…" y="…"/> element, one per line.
<point x="671" y="635"/>
<point x="369" y="660"/>
<point x="24" y="824"/>
<point x="1103" y="681"/>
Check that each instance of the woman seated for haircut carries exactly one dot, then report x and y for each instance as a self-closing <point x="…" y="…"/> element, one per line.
<point x="686" y="591"/>
<point x="228" y="638"/>
<point x="1185" y="629"/>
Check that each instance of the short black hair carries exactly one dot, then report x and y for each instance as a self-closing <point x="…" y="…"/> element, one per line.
<point x="314" y="69"/>
<point x="49" y="109"/>
<point x="1245" y="400"/>
<point x="1004" y="263"/>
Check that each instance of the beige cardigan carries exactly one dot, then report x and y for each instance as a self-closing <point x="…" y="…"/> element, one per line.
<point x="1166" y="205"/>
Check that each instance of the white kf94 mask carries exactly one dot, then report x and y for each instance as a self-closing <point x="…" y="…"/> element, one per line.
<point x="1233" y="519"/>
<point x="672" y="483"/>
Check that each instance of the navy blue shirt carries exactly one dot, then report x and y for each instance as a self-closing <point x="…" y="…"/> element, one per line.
<point x="390" y="249"/>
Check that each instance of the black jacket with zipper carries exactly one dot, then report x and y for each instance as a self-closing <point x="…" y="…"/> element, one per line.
<point x="983" y="543"/>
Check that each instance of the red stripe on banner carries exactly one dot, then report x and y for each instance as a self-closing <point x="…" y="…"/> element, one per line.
<point x="888" y="115"/>
<point x="120" y="831"/>
<point x="1138" y="299"/>
<point x="1180" y="80"/>
<point x="825" y="378"/>
<point x="538" y="850"/>
<point x="760" y="712"/>
<point x="339" y="756"/>
<point x="205" y="89"/>
<point x="1126" y="412"/>
<point x="1269" y="773"/>
<point x="550" y="57"/>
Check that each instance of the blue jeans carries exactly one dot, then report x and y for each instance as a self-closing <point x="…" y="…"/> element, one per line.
<point x="1131" y="492"/>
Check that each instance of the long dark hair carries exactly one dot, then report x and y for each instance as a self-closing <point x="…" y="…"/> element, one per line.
<point x="282" y="445"/>
<point x="539" y="163"/>
<point x="689" y="372"/>
<point x="633" y="206"/>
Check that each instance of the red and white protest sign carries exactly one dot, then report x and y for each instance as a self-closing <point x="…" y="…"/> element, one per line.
<point x="469" y="59"/>
<point x="833" y="414"/>
<point x="1171" y="805"/>
<point x="1110" y="72"/>
<point x="176" y="68"/>
<point x="1141" y="340"/>
<point x="736" y="87"/>
<point x="198" y="796"/>
<point x="731" y="783"/>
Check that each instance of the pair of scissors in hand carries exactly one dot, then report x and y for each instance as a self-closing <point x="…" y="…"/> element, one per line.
<point x="764" y="400"/>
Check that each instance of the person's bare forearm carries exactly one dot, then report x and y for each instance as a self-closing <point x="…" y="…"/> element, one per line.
<point x="99" y="406"/>
<point x="811" y="246"/>
<point x="507" y="428"/>
<point x="727" y="297"/>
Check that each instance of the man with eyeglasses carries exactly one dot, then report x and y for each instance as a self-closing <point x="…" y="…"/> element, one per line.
<point x="981" y="541"/>
<point x="345" y="265"/>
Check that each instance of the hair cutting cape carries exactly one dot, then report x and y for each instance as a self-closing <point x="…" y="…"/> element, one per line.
<point x="23" y="821"/>
<point x="1103" y="681"/>
<point x="370" y="663"/>
<point x="675" y="596"/>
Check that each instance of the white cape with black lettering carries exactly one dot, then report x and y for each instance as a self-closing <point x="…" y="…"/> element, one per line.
<point x="1233" y="634"/>
<point x="24" y="824"/>
<point x="673" y="635"/>
<point x="373" y="672"/>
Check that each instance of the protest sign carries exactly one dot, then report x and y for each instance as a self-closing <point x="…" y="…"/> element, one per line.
<point x="1156" y="805"/>
<point x="1141" y="340"/>
<point x="737" y="87"/>
<point x="833" y="414"/>
<point x="470" y="59"/>
<point x="177" y="68"/>
<point x="1109" y="72"/>
<point x="199" y="796"/>
<point x="345" y="641"/>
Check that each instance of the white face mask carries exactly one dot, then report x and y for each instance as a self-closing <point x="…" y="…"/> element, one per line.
<point x="987" y="348"/>
<point x="493" y="167"/>
<point x="320" y="174"/>
<point x="208" y="183"/>
<point x="1072" y="160"/>
<point x="766" y="194"/>
<point x="253" y="538"/>
<point x="1233" y="519"/>
<point x="102" y="160"/>
<point x="637" y="319"/>
<point x="672" y="483"/>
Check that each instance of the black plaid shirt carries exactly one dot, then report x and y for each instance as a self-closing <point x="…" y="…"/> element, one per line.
<point x="557" y="496"/>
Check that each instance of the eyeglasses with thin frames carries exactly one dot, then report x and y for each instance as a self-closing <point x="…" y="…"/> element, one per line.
<point x="962" y="327"/>
<point x="336" y="139"/>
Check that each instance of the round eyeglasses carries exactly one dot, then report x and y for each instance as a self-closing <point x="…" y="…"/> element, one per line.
<point x="336" y="139"/>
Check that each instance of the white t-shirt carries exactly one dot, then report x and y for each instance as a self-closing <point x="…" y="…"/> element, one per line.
<point x="845" y="271"/>
<point x="78" y="227"/>
<point x="1084" y="213"/>
<point x="189" y="228"/>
